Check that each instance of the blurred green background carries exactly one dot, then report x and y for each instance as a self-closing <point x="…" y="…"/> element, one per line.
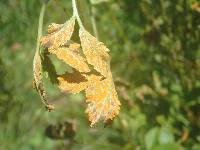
<point x="155" y="49"/>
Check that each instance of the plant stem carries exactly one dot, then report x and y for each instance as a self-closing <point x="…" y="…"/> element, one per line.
<point x="40" y="25"/>
<point x="37" y="66"/>
<point x="92" y="17"/>
<point x="75" y="13"/>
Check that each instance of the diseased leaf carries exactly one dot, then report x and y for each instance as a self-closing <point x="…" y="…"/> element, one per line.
<point x="102" y="98"/>
<point x="38" y="76"/>
<point x="53" y="27"/>
<point x="95" y="52"/>
<point x="74" y="46"/>
<point x="59" y="34"/>
<point x="72" y="82"/>
<point x="37" y="65"/>
<point x="72" y="57"/>
<point x="39" y="85"/>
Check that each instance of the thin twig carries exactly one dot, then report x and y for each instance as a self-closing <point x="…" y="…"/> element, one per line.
<point x="93" y="20"/>
<point x="37" y="63"/>
<point x="75" y="13"/>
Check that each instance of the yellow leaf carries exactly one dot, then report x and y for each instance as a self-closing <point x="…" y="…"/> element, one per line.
<point x="74" y="46"/>
<point x="102" y="98"/>
<point x="53" y="27"/>
<point x="72" y="82"/>
<point x="72" y="57"/>
<point x="59" y="34"/>
<point x="95" y="52"/>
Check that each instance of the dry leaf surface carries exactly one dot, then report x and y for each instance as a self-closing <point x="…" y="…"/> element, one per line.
<point x="38" y="77"/>
<point x="59" y="34"/>
<point x="72" y="57"/>
<point x="72" y="82"/>
<point x="95" y="52"/>
<point x="102" y="98"/>
<point x="38" y="82"/>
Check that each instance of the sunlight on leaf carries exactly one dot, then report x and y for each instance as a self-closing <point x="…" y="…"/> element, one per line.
<point x="95" y="52"/>
<point x="72" y="57"/>
<point x="97" y="82"/>
<point x="58" y="34"/>
<point x="102" y="98"/>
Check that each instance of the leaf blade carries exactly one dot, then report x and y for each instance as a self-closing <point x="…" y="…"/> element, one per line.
<point x="102" y="98"/>
<point x="71" y="57"/>
<point x="59" y="34"/>
<point x="95" y="52"/>
<point x="72" y="82"/>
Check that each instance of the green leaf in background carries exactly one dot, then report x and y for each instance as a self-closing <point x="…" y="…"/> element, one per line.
<point x="196" y="147"/>
<point x="157" y="136"/>
<point x="165" y="136"/>
<point x="94" y="2"/>
<point x="167" y="147"/>
<point x="151" y="137"/>
<point x="49" y="69"/>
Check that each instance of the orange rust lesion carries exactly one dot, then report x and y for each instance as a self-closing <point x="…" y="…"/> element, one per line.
<point x="96" y="52"/>
<point x="59" y="34"/>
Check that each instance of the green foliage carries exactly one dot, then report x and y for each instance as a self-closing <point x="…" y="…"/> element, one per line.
<point x="155" y="53"/>
<point x="49" y="69"/>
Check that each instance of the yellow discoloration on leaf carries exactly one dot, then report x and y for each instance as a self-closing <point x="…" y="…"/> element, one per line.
<point x="102" y="98"/>
<point x="71" y="57"/>
<point x="37" y="69"/>
<point x="74" y="46"/>
<point x="37" y="65"/>
<point x="58" y="34"/>
<point x="72" y="82"/>
<point x="95" y="52"/>
<point x="53" y="27"/>
<point x="37" y="72"/>
<point x="38" y="83"/>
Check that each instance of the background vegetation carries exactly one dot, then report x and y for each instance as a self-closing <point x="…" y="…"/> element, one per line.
<point x="156" y="65"/>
